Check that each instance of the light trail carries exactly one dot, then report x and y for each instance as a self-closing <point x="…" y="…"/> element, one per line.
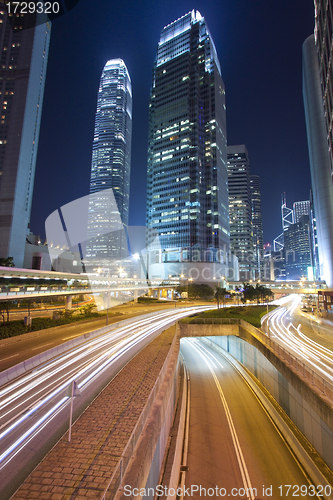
<point x="207" y="357"/>
<point x="42" y="390"/>
<point x="316" y="356"/>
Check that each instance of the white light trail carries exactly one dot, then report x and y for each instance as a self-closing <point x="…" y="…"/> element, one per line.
<point x="82" y="364"/>
<point x="319" y="358"/>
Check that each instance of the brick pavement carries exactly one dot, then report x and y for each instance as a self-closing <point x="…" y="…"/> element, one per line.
<point x="82" y="468"/>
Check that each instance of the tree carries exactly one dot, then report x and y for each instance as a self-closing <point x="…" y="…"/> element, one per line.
<point x="249" y="292"/>
<point x="195" y="291"/>
<point x="8" y="262"/>
<point x="258" y="293"/>
<point x="220" y="293"/>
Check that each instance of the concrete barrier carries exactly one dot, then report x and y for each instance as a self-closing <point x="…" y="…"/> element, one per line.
<point x="145" y="465"/>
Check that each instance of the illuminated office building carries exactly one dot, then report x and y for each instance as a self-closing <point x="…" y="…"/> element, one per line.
<point x="111" y="163"/>
<point x="240" y="210"/>
<point x="187" y="181"/>
<point x="24" y="54"/>
<point x="301" y="208"/>
<point x="258" y="244"/>
<point x="297" y="247"/>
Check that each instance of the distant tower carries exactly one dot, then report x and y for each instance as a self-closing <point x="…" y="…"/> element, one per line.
<point x="301" y="208"/>
<point x="297" y="246"/>
<point x="187" y="183"/>
<point x="257" y="225"/>
<point x="287" y="218"/>
<point x="111" y="158"/>
<point x="286" y="213"/>
<point x="240" y="210"/>
<point x="23" y="65"/>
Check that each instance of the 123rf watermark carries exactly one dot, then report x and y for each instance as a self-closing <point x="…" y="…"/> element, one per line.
<point x="284" y="491"/>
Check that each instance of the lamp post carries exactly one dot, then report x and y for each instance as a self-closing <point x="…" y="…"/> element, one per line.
<point x="108" y="299"/>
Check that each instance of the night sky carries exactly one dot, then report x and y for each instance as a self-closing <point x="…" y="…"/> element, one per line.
<point x="259" y="44"/>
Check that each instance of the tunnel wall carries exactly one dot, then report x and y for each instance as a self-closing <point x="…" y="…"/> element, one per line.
<point x="297" y="406"/>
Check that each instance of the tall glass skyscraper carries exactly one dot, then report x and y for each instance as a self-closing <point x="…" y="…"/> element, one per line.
<point x="258" y="244"/>
<point x="187" y="181"/>
<point x="111" y="161"/>
<point x="24" y="54"/>
<point x="240" y="210"/>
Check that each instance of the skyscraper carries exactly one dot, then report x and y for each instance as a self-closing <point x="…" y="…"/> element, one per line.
<point x="111" y="161"/>
<point x="258" y="245"/>
<point x="301" y="208"/>
<point x="23" y="65"/>
<point x="240" y="210"/>
<point x="297" y="246"/>
<point x="187" y="192"/>
<point x="323" y="34"/>
<point x="320" y="158"/>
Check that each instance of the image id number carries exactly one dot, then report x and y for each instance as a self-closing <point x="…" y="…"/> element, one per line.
<point x="304" y="490"/>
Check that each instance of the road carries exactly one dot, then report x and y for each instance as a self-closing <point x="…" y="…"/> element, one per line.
<point x="306" y="339"/>
<point x="234" y="448"/>
<point x="17" y="349"/>
<point x="34" y="408"/>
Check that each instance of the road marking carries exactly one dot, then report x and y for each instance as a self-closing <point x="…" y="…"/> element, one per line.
<point x="239" y="454"/>
<point x="8" y="357"/>
<point x="67" y="338"/>
<point x="39" y="347"/>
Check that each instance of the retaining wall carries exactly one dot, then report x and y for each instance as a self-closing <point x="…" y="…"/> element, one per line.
<point x="310" y="408"/>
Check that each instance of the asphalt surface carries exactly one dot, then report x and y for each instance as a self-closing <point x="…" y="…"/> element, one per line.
<point x="232" y="442"/>
<point x="17" y="349"/>
<point x="34" y="407"/>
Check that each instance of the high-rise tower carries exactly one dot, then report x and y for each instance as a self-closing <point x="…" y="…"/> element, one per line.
<point x="258" y="245"/>
<point x="23" y="65"/>
<point x="187" y="182"/>
<point x="301" y="208"/>
<point x="240" y="210"/>
<point x="111" y="160"/>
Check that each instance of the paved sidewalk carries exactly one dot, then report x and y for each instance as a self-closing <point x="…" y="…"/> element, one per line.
<point x="82" y="469"/>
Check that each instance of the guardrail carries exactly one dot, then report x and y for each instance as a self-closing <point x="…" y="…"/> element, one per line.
<point x="211" y="321"/>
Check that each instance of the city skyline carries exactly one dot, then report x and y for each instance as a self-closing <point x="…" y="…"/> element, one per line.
<point x="272" y="148"/>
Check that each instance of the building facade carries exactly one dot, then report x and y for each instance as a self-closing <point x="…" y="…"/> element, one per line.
<point x="187" y="183"/>
<point x="319" y="156"/>
<point x="297" y="247"/>
<point x="111" y="163"/>
<point x="301" y="208"/>
<point x="323" y="34"/>
<point x="258" y="244"/>
<point x="240" y="210"/>
<point x="24" y="54"/>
